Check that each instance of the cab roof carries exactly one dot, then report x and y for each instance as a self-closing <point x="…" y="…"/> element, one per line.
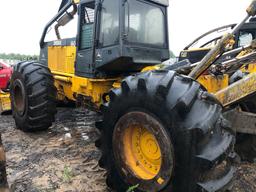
<point x="162" y="2"/>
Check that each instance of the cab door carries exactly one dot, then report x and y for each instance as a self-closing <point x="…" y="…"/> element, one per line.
<point x="86" y="27"/>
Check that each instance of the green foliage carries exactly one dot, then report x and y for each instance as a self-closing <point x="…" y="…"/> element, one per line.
<point x="46" y="190"/>
<point x="67" y="174"/>
<point x="132" y="188"/>
<point x="20" y="57"/>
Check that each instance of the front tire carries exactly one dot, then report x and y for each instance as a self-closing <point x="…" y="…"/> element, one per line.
<point x="163" y="132"/>
<point x="33" y="96"/>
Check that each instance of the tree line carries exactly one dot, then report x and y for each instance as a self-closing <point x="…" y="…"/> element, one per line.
<point x="19" y="57"/>
<point x="22" y="57"/>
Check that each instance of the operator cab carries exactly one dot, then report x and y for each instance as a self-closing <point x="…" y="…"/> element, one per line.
<point x="119" y="36"/>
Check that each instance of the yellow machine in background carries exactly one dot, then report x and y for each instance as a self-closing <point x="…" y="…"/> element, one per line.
<point x="5" y="102"/>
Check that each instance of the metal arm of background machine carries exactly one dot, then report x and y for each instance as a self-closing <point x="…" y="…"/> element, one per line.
<point x="219" y="49"/>
<point x="185" y="67"/>
<point x="209" y="32"/>
<point x="54" y="19"/>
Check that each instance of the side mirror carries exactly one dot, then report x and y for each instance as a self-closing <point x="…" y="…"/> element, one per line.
<point x="1" y="67"/>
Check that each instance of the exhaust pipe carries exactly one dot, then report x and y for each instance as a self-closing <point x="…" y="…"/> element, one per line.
<point x="64" y="20"/>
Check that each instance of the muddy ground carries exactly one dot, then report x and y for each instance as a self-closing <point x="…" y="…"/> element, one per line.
<point x="64" y="158"/>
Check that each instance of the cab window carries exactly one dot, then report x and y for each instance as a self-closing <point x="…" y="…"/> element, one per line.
<point x="109" y="32"/>
<point x="139" y="19"/>
<point x="245" y="38"/>
<point x="87" y="26"/>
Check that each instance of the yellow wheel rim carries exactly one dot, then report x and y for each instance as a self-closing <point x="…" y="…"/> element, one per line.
<point x="141" y="152"/>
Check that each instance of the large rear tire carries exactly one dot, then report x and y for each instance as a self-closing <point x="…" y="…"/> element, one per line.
<point x="33" y="96"/>
<point x="246" y="143"/>
<point x="163" y="132"/>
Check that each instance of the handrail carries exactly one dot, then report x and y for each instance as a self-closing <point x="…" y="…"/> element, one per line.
<point x="54" y="19"/>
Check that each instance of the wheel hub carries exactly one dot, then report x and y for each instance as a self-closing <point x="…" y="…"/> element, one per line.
<point x="145" y="149"/>
<point x="149" y="146"/>
<point x="19" y="97"/>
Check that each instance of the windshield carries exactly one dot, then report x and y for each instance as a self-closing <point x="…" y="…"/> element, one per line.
<point x="246" y="37"/>
<point x="109" y="31"/>
<point x="145" y="23"/>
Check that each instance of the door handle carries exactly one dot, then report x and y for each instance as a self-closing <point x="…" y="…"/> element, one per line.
<point x="80" y="55"/>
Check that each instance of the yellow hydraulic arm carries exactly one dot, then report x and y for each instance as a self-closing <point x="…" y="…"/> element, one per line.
<point x="242" y="88"/>
<point x="220" y="48"/>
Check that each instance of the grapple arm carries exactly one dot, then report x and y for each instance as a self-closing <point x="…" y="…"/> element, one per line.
<point x="220" y="47"/>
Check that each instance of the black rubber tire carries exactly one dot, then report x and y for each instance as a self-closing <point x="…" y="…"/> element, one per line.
<point x="201" y="138"/>
<point x="33" y="84"/>
<point x="246" y="147"/>
<point x="246" y="143"/>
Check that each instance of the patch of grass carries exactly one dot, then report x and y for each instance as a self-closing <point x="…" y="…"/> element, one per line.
<point x="67" y="174"/>
<point x="132" y="188"/>
<point x="46" y="190"/>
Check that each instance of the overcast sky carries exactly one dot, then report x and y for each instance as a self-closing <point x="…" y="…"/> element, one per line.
<point x="22" y="21"/>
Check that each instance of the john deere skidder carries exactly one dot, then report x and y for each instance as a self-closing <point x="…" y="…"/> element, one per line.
<point x="161" y="130"/>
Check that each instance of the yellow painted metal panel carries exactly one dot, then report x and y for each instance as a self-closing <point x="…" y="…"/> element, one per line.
<point x="251" y="68"/>
<point x="76" y="1"/>
<point x="237" y="90"/>
<point x="62" y="58"/>
<point x="151" y="68"/>
<point x="69" y="85"/>
<point x="93" y="88"/>
<point x="214" y="83"/>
